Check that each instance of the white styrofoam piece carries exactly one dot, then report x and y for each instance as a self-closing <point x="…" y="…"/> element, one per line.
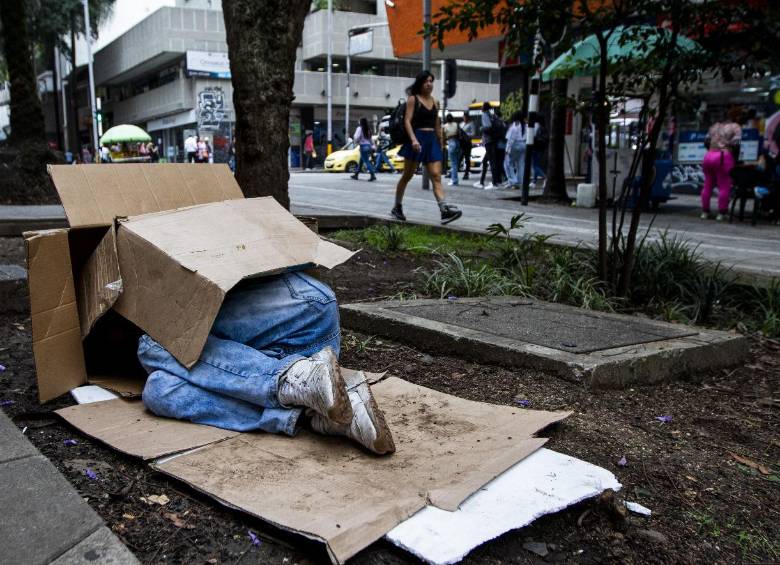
<point x="637" y="508"/>
<point x="91" y="393"/>
<point x="543" y="483"/>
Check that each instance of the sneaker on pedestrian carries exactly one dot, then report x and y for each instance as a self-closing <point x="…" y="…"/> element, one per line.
<point x="720" y="217"/>
<point x="531" y="185"/>
<point x="317" y="383"/>
<point x="372" y="178"/>
<point x="368" y="426"/>
<point x="491" y="186"/>
<point x="704" y="216"/>
<point x="354" y="176"/>
<point x="398" y="213"/>
<point x="450" y="213"/>
<point x="478" y="185"/>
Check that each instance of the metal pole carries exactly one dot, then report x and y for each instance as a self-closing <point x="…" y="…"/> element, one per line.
<point x="330" y="78"/>
<point x="88" y="35"/>
<point x="61" y="95"/>
<point x="426" y="65"/>
<point x="349" y="69"/>
<point x="533" y="106"/>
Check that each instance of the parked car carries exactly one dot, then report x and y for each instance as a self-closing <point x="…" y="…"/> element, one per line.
<point x="345" y="159"/>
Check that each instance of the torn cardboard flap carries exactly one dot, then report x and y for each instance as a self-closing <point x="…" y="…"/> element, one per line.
<point x="178" y="265"/>
<point x="96" y="196"/>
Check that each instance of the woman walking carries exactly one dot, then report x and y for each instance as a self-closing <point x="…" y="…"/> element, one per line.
<point x="363" y="139"/>
<point x="514" y="161"/>
<point x="724" y="139"/>
<point x="423" y="127"/>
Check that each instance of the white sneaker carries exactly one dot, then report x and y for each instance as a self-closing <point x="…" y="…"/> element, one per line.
<point x="317" y="383"/>
<point x="705" y="216"/>
<point x="449" y="183"/>
<point x="720" y="218"/>
<point x="368" y="426"/>
<point x="478" y="185"/>
<point x="491" y="186"/>
<point x="531" y="185"/>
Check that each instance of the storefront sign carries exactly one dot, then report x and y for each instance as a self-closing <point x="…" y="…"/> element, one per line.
<point x="690" y="147"/>
<point x="176" y="120"/>
<point x="207" y="64"/>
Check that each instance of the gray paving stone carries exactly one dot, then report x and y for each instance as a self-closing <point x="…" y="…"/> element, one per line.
<point x="606" y="350"/>
<point x="13" y="445"/>
<point x="101" y="547"/>
<point x="42" y="515"/>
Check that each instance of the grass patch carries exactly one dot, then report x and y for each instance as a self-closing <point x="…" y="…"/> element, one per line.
<point x="671" y="279"/>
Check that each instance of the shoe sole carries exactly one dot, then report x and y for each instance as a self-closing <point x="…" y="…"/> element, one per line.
<point x="383" y="444"/>
<point x="341" y="411"/>
<point x="452" y="219"/>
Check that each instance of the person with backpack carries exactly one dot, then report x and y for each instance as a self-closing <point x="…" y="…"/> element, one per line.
<point x="363" y="139"/>
<point x="465" y="135"/>
<point x="514" y="161"/>
<point x="422" y="127"/>
<point x="493" y="129"/>
<point x="539" y="148"/>
<point x="383" y="143"/>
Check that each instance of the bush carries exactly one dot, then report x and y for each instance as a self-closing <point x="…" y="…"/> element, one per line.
<point x="458" y="277"/>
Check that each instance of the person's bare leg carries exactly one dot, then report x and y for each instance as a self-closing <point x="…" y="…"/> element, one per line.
<point x="409" y="168"/>
<point x="449" y="213"/>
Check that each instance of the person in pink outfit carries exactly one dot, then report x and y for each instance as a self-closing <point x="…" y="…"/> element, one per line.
<point x="724" y="139"/>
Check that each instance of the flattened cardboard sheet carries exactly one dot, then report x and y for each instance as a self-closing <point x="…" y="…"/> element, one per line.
<point x="177" y="265"/>
<point x="128" y="427"/>
<point x="59" y="358"/>
<point x="329" y="489"/>
<point x="96" y="196"/>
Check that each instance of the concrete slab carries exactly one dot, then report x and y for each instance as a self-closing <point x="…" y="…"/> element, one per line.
<point x="43" y="516"/>
<point x="13" y="445"/>
<point x="534" y="332"/>
<point x="15" y="220"/>
<point x="101" y="547"/>
<point x="13" y="288"/>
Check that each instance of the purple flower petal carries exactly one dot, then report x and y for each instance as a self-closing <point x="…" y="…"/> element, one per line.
<point x="452" y="298"/>
<point x="90" y="473"/>
<point x="2" y="368"/>
<point x="664" y="419"/>
<point x="6" y="402"/>
<point x="523" y="402"/>
<point x="253" y="537"/>
<point x="622" y="462"/>
<point x="70" y="442"/>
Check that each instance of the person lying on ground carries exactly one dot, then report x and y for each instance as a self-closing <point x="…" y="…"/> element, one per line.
<point x="270" y="363"/>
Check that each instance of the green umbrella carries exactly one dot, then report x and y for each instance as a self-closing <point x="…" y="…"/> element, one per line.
<point x="124" y="133"/>
<point x="630" y="42"/>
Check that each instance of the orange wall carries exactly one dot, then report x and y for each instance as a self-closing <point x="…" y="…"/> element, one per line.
<point x="406" y="23"/>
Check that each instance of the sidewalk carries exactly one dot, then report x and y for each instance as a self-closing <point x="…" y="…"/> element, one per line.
<point x="44" y="519"/>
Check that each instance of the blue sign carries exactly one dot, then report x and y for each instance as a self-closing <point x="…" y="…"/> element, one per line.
<point x="690" y="146"/>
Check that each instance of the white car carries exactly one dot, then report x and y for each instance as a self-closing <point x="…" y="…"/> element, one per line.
<point x="477" y="156"/>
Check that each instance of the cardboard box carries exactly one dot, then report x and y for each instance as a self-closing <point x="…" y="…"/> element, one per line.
<point x="149" y="248"/>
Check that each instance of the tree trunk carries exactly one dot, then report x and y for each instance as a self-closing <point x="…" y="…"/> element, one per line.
<point x="26" y="115"/>
<point x="602" y="122"/>
<point x="555" y="188"/>
<point x="262" y="40"/>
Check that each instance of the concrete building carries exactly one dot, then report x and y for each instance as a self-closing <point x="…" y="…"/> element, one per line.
<point x="170" y="75"/>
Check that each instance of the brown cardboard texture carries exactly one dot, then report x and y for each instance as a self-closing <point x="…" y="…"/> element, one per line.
<point x="328" y="489"/>
<point x="325" y="487"/>
<point x="178" y="265"/>
<point x="78" y="276"/>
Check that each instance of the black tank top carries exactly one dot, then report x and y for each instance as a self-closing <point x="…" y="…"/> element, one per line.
<point x="423" y="118"/>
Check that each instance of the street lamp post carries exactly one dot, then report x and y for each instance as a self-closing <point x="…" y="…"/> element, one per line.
<point x="426" y="65"/>
<point x="330" y="77"/>
<point x="92" y="105"/>
<point x="533" y="106"/>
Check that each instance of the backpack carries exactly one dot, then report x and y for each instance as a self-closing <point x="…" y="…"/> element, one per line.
<point x="464" y="140"/>
<point x="396" y="126"/>
<point x="497" y="129"/>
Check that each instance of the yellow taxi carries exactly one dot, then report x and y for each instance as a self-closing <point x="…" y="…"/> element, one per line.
<point x="344" y="160"/>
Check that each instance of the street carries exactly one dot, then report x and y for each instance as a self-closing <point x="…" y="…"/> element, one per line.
<point x="751" y="249"/>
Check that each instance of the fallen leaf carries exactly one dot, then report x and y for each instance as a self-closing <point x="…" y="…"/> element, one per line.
<point x="763" y="469"/>
<point x="177" y="521"/>
<point x="128" y="516"/>
<point x="2" y="368"/>
<point x="90" y="473"/>
<point x="253" y="537"/>
<point x="622" y="462"/>
<point x="664" y="419"/>
<point x="161" y="499"/>
<point x="70" y="442"/>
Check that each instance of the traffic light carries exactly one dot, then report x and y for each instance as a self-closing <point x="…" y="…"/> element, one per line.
<point x="450" y="77"/>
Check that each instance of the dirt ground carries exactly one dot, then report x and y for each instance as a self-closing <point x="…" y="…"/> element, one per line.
<point x="710" y="475"/>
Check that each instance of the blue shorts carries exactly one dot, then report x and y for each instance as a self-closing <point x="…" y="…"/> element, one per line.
<point x="430" y="149"/>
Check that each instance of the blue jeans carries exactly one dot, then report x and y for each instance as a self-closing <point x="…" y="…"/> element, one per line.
<point x="453" y="154"/>
<point x="514" y="163"/>
<point x="381" y="157"/>
<point x="263" y="327"/>
<point x="536" y="163"/>
<point x="365" y="159"/>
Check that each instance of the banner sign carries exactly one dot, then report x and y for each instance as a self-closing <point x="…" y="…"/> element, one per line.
<point x="361" y="43"/>
<point x="690" y="146"/>
<point x="207" y="64"/>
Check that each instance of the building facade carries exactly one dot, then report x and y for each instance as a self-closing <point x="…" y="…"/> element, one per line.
<point x="170" y="75"/>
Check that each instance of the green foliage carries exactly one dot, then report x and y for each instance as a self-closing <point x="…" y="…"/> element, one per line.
<point x="454" y="276"/>
<point x="511" y="104"/>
